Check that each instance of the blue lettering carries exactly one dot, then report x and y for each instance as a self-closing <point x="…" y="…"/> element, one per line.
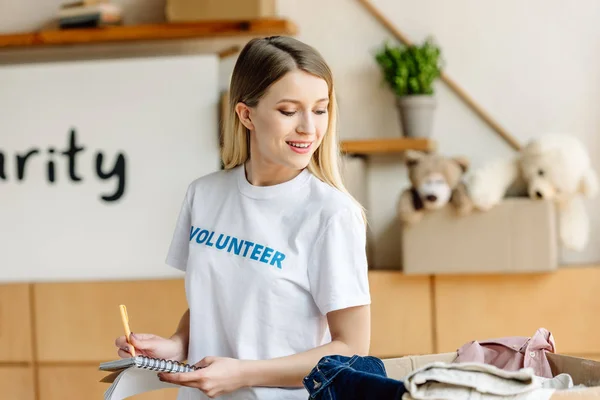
<point x="278" y="258"/>
<point x="266" y="254"/>
<point x="223" y="245"/>
<point x="231" y="244"/>
<point x="248" y="245"/>
<point x="199" y="238"/>
<point x="256" y="251"/>
<point x="208" y="242"/>
<point x="234" y="245"/>
<point x="193" y="232"/>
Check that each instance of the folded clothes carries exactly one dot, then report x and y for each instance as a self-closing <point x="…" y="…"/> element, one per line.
<point x="361" y="378"/>
<point x="512" y="353"/>
<point x="351" y="378"/>
<point x="561" y="382"/>
<point x="468" y="381"/>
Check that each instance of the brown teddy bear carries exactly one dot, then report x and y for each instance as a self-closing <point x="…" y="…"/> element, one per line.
<point x="435" y="181"/>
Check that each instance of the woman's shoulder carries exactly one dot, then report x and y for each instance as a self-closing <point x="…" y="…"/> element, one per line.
<point x="214" y="180"/>
<point x="215" y="177"/>
<point x="331" y="201"/>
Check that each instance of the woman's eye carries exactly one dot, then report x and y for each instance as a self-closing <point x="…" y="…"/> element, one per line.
<point x="541" y="172"/>
<point x="319" y="112"/>
<point x="287" y="113"/>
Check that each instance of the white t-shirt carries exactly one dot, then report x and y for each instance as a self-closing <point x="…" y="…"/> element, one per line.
<point x="264" y="265"/>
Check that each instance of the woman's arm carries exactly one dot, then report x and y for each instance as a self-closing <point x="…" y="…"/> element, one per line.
<point x="182" y="333"/>
<point x="350" y="334"/>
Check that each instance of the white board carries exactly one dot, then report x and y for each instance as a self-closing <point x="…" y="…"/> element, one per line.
<point x="158" y="114"/>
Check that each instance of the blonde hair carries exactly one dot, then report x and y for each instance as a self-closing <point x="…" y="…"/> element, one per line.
<point x="261" y="63"/>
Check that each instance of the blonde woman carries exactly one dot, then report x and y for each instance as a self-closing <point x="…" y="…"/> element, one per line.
<point x="273" y="246"/>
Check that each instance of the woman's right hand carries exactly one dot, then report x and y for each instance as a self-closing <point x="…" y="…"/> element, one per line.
<point x="150" y="345"/>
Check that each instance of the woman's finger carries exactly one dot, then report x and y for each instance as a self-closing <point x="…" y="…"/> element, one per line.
<point x="205" y="362"/>
<point x="120" y="341"/>
<point x="124" y="353"/>
<point x="145" y="336"/>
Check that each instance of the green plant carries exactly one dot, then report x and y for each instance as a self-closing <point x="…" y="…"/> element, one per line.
<point x="410" y="70"/>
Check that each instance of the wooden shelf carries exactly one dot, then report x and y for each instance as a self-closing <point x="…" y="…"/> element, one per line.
<point x="386" y="146"/>
<point x="152" y="32"/>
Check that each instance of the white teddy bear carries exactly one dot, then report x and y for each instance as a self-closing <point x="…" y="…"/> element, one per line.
<point x="553" y="167"/>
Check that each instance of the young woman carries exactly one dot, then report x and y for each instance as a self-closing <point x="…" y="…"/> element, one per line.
<point x="273" y="246"/>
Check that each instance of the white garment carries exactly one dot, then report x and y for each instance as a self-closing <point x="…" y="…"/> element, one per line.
<point x="478" y="381"/>
<point x="264" y="265"/>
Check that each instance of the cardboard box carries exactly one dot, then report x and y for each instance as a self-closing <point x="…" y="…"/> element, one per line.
<point x="517" y="236"/>
<point x="583" y="371"/>
<point x="214" y="10"/>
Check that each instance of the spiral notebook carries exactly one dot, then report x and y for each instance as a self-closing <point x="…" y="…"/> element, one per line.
<point x="134" y="375"/>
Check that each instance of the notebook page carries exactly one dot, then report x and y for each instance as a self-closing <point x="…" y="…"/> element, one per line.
<point x="134" y="381"/>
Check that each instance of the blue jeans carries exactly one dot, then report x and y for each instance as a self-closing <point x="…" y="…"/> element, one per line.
<point x="352" y="378"/>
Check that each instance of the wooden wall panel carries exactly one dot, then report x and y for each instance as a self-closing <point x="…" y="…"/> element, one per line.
<point x="82" y="382"/>
<point x="483" y="307"/>
<point x="16" y="382"/>
<point x="15" y="323"/>
<point x="80" y="321"/>
<point x="400" y="314"/>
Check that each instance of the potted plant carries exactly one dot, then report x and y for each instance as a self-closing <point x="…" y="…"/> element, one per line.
<point x="410" y="72"/>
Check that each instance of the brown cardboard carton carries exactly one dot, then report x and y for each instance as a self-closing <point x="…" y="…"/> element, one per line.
<point x="212" y="10"/>
<point x="517" y="236"/>
<point x="582" y="371"/>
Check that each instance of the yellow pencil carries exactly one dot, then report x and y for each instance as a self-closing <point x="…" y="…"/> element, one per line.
<point x="125" y="320"/>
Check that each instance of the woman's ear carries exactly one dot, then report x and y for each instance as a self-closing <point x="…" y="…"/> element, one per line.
<point x="243" y="112"/>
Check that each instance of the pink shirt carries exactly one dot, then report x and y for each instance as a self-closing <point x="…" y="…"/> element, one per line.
<point x="513" y="352"/>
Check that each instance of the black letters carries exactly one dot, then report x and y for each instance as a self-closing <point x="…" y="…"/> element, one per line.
<point x="2" y="174"/>
<point x="119" y="170"/>
<point x="51" y="166"/>
<point x="21" y="160"/>
<point x="70" y="153"/>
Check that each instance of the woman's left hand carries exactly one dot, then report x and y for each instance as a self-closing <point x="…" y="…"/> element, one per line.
<point x="217" y="376"/>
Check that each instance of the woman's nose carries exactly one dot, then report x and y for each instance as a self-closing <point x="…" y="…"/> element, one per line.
<point x="306" y="125"/>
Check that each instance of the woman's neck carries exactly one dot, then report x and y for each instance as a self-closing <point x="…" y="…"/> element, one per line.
<point x="260" y="173"/>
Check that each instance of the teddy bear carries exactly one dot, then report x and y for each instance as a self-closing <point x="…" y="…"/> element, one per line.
<point x="435" y="181"/>
<point x="554" y="167"/>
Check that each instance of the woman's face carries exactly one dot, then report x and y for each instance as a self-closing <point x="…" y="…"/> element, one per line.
<point x="288" y="123"/>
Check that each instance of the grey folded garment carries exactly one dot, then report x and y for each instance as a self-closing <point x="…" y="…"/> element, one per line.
<point x="477" y="381"/>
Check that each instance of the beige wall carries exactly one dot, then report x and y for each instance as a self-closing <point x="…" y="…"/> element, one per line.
<point x="532" y="65"/>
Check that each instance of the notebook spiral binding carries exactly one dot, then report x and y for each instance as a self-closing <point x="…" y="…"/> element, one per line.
<point x="162" y="365"/>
